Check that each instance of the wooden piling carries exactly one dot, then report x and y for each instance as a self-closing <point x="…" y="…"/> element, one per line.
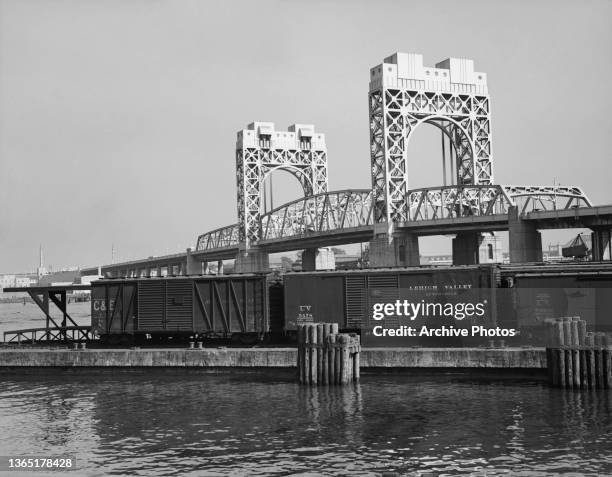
<point x="312" y="331"/>
<point x="325" y="356"/>
<point x="306" y="364"/>
<point x="356" y="359"/>
<point x="584" y="368"/>
<point x="558" y="332"/>
<point x="338" y="361"/>
<point x="577" y="358"/>
<point x="560" y="357"/>
<point x="567" y="331"/>
<point x="550" y="365"/>
<point x="599" y="370"/>
<point x="591" y="368"/>
<point x="607" y="367"/>
<point x="569" y="371"/>
<point x="331" y="360"/>
<point x="581" y="332"/>
<point x="575" y="331"/>
<point x="320" y="333"/>
<point x="344" y="359"/>
<point x="575" y="352"/>
<point x="301" y="350"/>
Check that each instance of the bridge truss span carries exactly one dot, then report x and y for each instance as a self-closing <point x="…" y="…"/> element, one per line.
<point x="453" y="202"/>
<point x="333" y="212"/>
<point x="223" y="237"/>
<point x="545" y="198"/>
<point x="321" y="213"/>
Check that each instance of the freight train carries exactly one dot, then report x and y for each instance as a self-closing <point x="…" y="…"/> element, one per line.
<point x="251" y="307"/>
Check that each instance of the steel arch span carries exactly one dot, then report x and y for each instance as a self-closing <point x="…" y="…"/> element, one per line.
<point x="403" y="95"/>
<point x="261" y="150"/>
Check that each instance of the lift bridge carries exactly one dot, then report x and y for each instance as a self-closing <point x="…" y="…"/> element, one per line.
<point x="403" y="95"/>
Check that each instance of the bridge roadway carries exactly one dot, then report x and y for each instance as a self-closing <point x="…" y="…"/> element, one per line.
<point x="598" y="217"/>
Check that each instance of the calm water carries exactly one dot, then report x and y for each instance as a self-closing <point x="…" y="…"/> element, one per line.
<point x="168" y="423"/>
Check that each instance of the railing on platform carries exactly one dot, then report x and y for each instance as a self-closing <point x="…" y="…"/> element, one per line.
<point x="40" y="335"/>
<point x="44" y="296"/>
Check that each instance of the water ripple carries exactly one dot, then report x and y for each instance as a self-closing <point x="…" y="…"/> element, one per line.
<point x="241" y="424"/>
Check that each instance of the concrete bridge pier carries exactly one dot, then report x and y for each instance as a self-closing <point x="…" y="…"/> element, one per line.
<point x="472" y="248"/>
<point x="399" y="250"/>
<point x="251" y="261"/>
<point x="525" y="242"/>
<point x="601" y="240"/>
<point x="318" y="259"/>
<point x="466" y="247"/>
<point x="192" y="266"/>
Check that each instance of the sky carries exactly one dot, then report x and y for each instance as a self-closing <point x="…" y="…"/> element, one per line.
<point x="118" y="119"/>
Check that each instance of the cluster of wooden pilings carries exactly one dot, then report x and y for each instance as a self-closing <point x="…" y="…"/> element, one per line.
<point x="576" y="358"/>
<point x="326" y="356"/>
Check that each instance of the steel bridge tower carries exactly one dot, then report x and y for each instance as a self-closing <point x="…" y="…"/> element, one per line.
<point x="261" y="150"/>
<point x="405" y="94"/>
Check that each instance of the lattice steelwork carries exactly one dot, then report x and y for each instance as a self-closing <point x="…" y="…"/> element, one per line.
<point x="327" y="212"/>
<point x="536" y="198"/>
<point x="452" y="202"/>
<point x="404" y="94"/>
<point x="350" y="209"/>
<point x="219" y="238"/>
<point x="259" y="151"/>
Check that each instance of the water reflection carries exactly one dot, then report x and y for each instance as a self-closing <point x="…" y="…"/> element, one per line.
<point x="218" y="424"/>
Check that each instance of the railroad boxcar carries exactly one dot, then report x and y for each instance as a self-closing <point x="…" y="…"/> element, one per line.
<point x="346" y="297"/>
<point x="532" y="293"/>
<point x="207" y="306"/>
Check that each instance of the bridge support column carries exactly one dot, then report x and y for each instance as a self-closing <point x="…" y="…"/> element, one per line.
<point x="318" y="259"/>
<point x="471" y="248"/>
<point x="251" y="261"/>
<point x="525" y="240"/>
<point x="220" y="267"/>
<point x="401" y="251"/>
<point x="601" y="240"/>
<point x="192" y="266"/>
<point x="466" y="247"/>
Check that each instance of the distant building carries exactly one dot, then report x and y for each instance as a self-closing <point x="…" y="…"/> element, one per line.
<point x="7" y="281"/>
<point x="23" y="281"/>
<point x="65" y="278"/>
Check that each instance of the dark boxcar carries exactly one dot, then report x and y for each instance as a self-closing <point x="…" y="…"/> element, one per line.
<point x="345" y="297"/>
<point x="215" y="305"/>
<point x="531" y="294"/>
